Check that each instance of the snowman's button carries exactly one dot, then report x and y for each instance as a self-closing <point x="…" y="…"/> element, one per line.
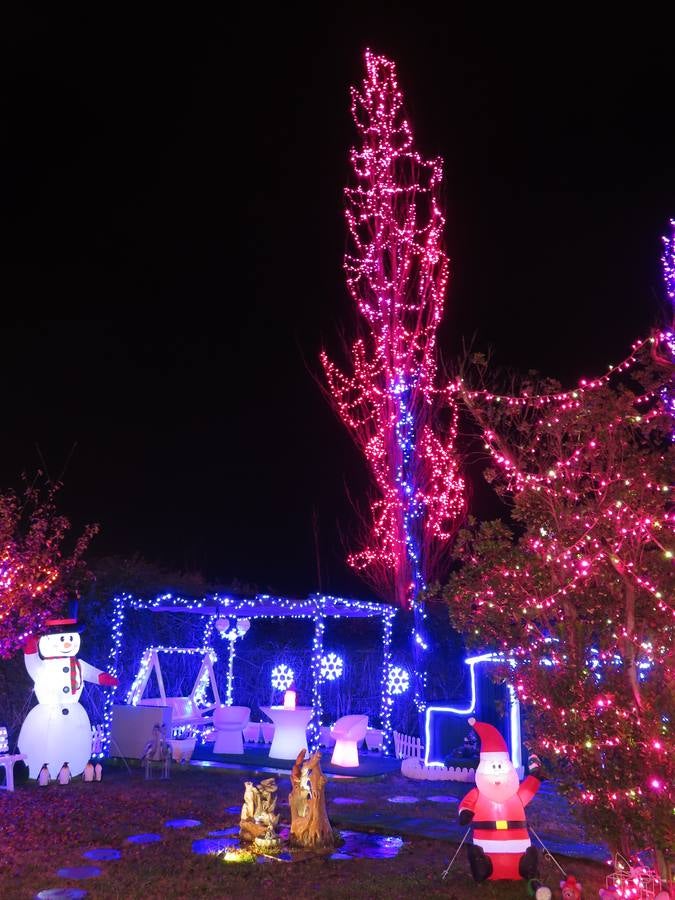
<point x="65" y="669"/>
<point x="65" y="711"/>
<point x="66" y="690"/>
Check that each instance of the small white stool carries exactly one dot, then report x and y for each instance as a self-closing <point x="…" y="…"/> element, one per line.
<point x="8" y="763"/>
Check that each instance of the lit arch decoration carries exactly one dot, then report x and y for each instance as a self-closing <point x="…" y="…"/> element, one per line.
<point x="317" y="607"/>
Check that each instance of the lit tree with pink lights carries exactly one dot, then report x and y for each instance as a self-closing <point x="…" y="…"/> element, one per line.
<point x="37" y="575"/>
<point x="388" y="394"/>
<point x="578" y="595"/>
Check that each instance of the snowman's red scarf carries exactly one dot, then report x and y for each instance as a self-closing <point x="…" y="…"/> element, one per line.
<point x="75" y="671"/>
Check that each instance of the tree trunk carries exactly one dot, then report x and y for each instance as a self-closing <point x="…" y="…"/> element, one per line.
<point x="310" y="826"/>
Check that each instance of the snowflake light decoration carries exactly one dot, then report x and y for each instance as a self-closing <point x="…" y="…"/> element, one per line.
<point x="282" y="677"/>
<point x="331" y="666"/>
<point x="399" y="680"/>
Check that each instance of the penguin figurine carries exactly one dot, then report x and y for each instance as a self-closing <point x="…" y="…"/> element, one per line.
<point x="44" y="777"/>
<point x="64" y="775"/>
<point x="98" y="771"/>
<point x="88" y="774"/>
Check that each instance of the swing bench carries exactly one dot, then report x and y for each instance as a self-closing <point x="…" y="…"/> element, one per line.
<point x="185" y="711"/>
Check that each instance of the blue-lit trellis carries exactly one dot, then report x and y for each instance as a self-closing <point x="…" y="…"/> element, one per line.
<point x="317" y="607"/>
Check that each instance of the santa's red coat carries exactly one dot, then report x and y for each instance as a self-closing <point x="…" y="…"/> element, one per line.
<point x="500" y="827"/>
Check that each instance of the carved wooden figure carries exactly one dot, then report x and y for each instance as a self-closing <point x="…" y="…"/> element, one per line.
<point x="310" y="826"/>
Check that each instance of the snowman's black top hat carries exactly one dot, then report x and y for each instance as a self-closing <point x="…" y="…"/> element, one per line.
<point x="54" y="626"/>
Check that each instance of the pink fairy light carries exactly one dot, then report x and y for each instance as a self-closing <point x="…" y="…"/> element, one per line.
<point x="397" y="274"/>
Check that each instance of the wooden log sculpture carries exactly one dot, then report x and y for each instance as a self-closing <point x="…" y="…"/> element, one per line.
<point x="310" y="826"/>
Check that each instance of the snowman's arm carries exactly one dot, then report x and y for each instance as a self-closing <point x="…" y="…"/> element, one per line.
<point x="528" y="788"/>
<point x="31" y="657"/>
<point x="96" y="676"/>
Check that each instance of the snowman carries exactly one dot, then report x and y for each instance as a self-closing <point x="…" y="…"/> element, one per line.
<point x="495" y="808"/>
<point x="58" y="729"/>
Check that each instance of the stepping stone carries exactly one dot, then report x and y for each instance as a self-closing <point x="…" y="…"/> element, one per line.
<point x="340" y="856"/>
<point x="103" y="854"/>
<point x="233" y="809"/>
<point x="442" y="798"/>
<point x="62" y="893"/>
<point x="225" y="832"/>
<point x="403" y="798"/>
<point x="80" y="872"/>
<point x="182" y="823"/>
<point x="345" y="801"/>
<point x="144" y="839"/>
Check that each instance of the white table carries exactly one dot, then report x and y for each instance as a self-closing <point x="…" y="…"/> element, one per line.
<point x="289" y="729"/>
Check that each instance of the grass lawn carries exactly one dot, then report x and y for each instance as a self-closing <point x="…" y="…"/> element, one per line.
<point x="45" y="829"/>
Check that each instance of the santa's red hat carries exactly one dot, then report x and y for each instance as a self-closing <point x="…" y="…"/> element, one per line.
<point x="491" y="741"/>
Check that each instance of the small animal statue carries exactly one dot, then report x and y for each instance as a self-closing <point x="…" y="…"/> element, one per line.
<point x="88" y="774"/>
<point x="248" y="808"/>
<point x="44" y="777"/>
<point x="157" y="750"/>
<point x="64" y="775"/>
<point x="571" y="888"/>
<point x="98" y="772"/>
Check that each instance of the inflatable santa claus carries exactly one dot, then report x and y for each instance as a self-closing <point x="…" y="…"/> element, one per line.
<point x="495" y="808"/>
<point x="57" y="731"/>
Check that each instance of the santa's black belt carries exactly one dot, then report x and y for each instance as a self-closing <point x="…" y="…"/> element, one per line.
<point x="499" y="825"/>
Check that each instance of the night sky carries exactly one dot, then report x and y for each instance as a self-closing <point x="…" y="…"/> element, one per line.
<point x="171" y="189"/>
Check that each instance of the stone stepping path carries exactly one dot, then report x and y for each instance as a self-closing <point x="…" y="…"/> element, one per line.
<point x="102" y="854"/>
<point x="80" y="872"/>
<point x="443" y="798"/>
<point x="346" y="801"/>
<point x="403" y="798"/>
<point x="61" y="894"/>
<point x="144" y="838"/>
<point x="182" y="823"/>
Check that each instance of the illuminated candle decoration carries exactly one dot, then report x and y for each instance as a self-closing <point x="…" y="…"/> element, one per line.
<point x="289" y="697"/>
<point x="282" y="677"/>
<point x="331" y="666"/>
<point x="390" y="397"/>
<point x="399" y="680"/>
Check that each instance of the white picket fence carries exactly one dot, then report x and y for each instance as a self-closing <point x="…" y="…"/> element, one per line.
<point x="407" y="746"/>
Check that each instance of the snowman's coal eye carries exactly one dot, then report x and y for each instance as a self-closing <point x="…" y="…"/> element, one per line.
<point x="62" y="638"/>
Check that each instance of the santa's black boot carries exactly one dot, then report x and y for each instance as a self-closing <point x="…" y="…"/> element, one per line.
<point x="528" y="867"/>
<point x="480" y="864"/>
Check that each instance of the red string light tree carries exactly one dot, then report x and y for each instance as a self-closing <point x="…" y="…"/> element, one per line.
<point x="36" y="577"/>
<point x="578" y="595"/>
<point x="387" y="395"/>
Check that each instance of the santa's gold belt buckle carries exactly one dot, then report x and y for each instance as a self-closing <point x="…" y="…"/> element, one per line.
<point x="502" y="825"/>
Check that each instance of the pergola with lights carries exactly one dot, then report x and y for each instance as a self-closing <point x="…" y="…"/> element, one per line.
<point x="215" y="609"/>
